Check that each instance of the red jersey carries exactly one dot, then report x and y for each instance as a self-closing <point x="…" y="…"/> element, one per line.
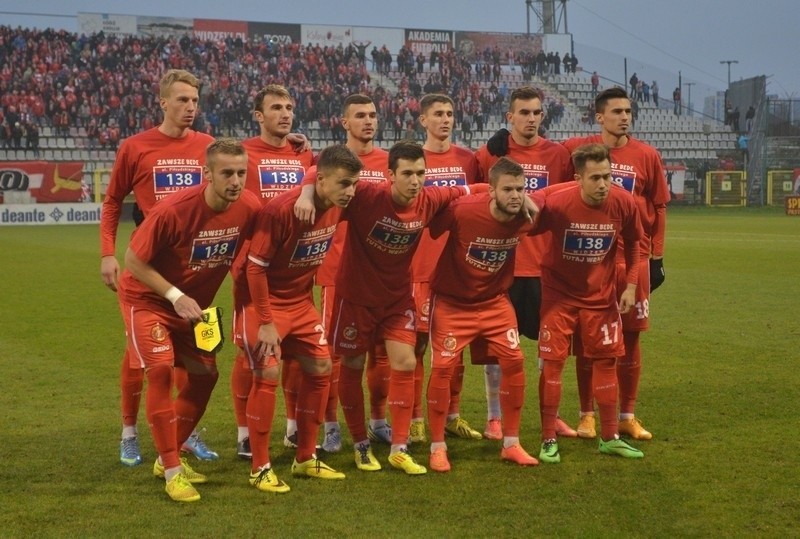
<point x="288" y="251"/>
<point x="637" y="168"/>
<point x="190" y="245"/>
<point x="151" y="165"/>
<point x="478" y="260"/>
<point x="272" y="170"/>
<point x="545" y="163"/>
<point x="381" y="240"/>
<point x="456" y="166"/>
<point x="375" y="170"/>
<point x="579" y="265"/>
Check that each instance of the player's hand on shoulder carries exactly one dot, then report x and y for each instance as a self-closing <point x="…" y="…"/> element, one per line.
<point x="304" y="210"/>
<point x="529" y="208"/>
<point x="109" y="271"/>
<point x="498" y="143"/>
<point x="299" y="142"/>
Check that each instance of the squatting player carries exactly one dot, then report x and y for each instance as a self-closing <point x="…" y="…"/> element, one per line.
<point x="175" y="263"/>
<point x="470" y="300"/>
<point x="283" y="256"/>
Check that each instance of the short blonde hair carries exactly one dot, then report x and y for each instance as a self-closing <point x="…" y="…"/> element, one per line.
<point x="176" y="75"/>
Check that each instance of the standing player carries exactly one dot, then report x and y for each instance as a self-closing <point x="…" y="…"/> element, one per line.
<point x="373" y="293"/>
<point x="470" y="300"/>
<point x="175" y="264"/>
<point x="544" y="163"/>
<point x="152" y="164"/>
<point x="585" y="222"/>
<point x="445" y="165"/>
<point x="360" y="122"/>
<point x="281" y="317"/>
<point x="273" y="167"/>
<point x="637" y="168"/>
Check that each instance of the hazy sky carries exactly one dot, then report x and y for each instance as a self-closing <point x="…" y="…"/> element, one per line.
<point x="658" y="38"/>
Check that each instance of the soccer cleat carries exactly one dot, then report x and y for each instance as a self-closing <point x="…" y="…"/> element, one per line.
<point x="619" y="447"/>
<point x="517" y="455"/>
<point x="197" y="447"/>
<point x="265" y="480"/>
<point x="439" y="461"/>
<point x="190" y="475"/>
<point x="290" y="440"/>
<point x="314" y="467"/>
<point x="181" y="490"/>
<point x="416" y="432"/>
<point x="494" y="429"/>
<point x="333" y="440"/>
<point x="459" y="427"/>
<point x="129" y="453"/>
<point x="382" y="434"/>
<point x="633" y="428"/>
<point x="564" y="430"/>
<point x="402" y="460"/>
<point x="586" y="426"/>
<point x="243" y="449"/>
<point x="365" y="460"/>
<point x="549" y="452"/>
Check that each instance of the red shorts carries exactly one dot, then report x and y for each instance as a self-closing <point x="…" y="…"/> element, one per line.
<point x="156" y="337"/>
<point x="600" y="331"/>
<point x="455" y="324"/>
<point x="299" y="326"/>
<point x="354" y="328"/>
<point x="422" y="301"/>
<point x="638" y="318"/>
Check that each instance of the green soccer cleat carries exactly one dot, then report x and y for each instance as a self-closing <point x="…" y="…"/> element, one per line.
<point x="314" y="467"/>
<point x="459" y="427"/>
<point x="190" y="475"/>
<point x="402" y="460"/>
<point x="181" y="490"/>
<point x="549" y="452"/>
<point x="416" y="432"/>
<point x="365" y="460"/>
<point x="619" y="447"/>
<point x="265" y="480"/>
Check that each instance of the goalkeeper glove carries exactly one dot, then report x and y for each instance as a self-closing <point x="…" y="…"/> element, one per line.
<point x="498" y="143"/>
<point x="657" y="274"/>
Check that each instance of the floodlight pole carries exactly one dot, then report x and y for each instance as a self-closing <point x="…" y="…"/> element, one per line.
<point x="729" y="62"/>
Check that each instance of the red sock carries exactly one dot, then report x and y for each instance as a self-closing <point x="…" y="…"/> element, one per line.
<point x="291" y="378"/>
<point x="438" y="401"/>
<point x="260" y="412"/>
<point x="241" y="385"/>
<point x="131" y="384"/>
<point x="456" y="384"/>
<point x="604" y="374"/>
<point x="161" y="414"/>
<point x="419" y="383"/>
<point x="179" y="378"/>
<point x="351" y="395"/>
<point x="583" y="372"/>
<point x="512" y="394"/>
<point x="192" y="401"/>
<point x="331" y="408"/>
<point x="401" y="401"/>
<point x="629" y="368"/>
<point x="549" y="395"/>
<point x="378" y="374"/>
<point x="310" y="403"/>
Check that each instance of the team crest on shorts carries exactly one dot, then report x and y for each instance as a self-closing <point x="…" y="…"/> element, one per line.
<point x="350" y="333"/>
<point x="426" y="308"/>
<point x="449" y="343"/>
<point x="544" y="335"/>
<point x="158" y="333"/>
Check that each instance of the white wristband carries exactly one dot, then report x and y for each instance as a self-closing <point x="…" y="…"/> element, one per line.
<point x="173" y="294"/>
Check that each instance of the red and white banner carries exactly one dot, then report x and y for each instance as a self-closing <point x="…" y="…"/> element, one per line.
<point x="42" y="182"/>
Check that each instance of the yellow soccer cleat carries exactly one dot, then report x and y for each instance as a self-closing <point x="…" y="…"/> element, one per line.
<point x="190" y="475"/>
<point x="181" y="490"/>
<point x="459" y="427"/>
<point x="403" y="461"/>
<point x="265" y="480"/>
<point x="314" y="467"/>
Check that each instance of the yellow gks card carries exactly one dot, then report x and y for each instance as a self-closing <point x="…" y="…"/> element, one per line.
<point x="208" y="332"/>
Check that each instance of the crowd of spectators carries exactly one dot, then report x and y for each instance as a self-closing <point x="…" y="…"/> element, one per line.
<point x="108" y="85"/>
